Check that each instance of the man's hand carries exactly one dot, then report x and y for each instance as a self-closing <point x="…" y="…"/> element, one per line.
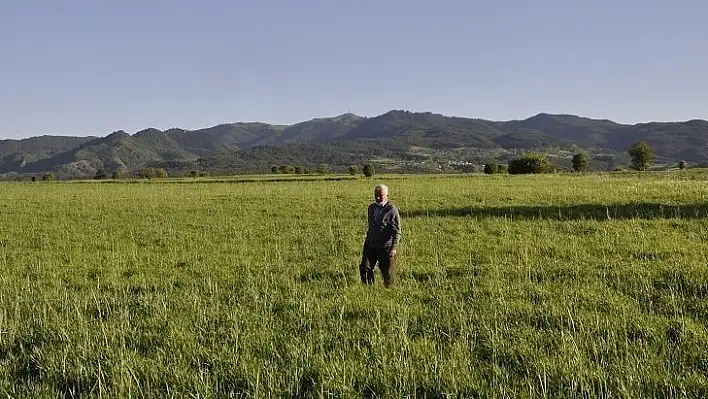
<point x="392" y="253"/>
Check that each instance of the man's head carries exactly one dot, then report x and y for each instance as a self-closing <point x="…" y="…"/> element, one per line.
<point x="381" y="194"/>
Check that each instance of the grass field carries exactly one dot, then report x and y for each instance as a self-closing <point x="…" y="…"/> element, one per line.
<point x="527" y="286"/>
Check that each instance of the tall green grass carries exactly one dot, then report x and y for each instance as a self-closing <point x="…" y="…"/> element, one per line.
<point x="526" y="286"/>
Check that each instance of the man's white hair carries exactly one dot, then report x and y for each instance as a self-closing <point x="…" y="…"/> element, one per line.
<point x="381" y="187"/>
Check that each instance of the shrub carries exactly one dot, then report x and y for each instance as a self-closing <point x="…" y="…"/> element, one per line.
<point x="153" y="173"/>
<point x="368" y="170"/>
<point x="322" y="169"/>
<point x="531" y="163"/>
<point x="286" y="169"/>
<point x="495" y="168"/>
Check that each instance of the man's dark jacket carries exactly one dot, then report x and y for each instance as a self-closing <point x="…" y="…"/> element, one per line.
<point x="384" y="226"/>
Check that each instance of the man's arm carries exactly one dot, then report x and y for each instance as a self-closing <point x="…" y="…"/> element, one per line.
<point x="397" y="230"/>
<point x="368" y="226"/>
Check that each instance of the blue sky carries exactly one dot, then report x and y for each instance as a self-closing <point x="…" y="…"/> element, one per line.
<point x="90" y="67"/>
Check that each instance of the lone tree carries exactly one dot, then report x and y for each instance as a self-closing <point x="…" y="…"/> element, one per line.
<point x="353" y="170"/>
<point x="682" y="165"/>
<point x="580" y="162"/>
<point x="642" y="155"/>
<point x="368" y="170"/>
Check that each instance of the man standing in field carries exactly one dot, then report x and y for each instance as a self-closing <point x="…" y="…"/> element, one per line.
<point x="382" y="238"/>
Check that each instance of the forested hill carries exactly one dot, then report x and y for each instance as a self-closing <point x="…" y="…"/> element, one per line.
<point x="415" y="141"/>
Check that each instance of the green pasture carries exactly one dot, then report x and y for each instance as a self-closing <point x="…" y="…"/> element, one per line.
<point x="559" y="286"/>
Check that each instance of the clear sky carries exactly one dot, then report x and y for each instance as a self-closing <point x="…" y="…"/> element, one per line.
<point x="90" y="67"/>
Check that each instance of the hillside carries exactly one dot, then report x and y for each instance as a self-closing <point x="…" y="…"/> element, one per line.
<point x="407" y="140"/>
<point x="15" y="154"/>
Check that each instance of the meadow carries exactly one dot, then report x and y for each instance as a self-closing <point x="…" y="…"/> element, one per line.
<point x="591" y="286"/>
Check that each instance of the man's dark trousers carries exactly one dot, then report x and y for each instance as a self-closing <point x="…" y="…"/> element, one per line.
<point x="386" y="261"/>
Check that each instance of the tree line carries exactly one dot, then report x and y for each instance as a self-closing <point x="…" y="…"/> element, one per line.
<point x="531" y="163"/>
<point x="322" y="169"/>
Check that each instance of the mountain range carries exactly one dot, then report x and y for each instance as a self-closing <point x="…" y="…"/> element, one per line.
<point x="422" y="141"/>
